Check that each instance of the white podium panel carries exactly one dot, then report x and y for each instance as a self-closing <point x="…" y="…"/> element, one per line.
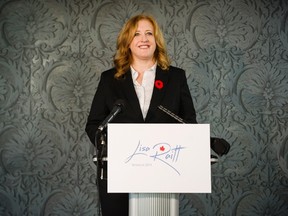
<point x="153" y="204"/>
<point x="159" y="158"/>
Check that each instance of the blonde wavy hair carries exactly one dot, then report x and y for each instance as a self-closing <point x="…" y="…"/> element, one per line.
<point x="123" y="56"/>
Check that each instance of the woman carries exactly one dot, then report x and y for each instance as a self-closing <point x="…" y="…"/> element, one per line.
<point x="144" y="79"/>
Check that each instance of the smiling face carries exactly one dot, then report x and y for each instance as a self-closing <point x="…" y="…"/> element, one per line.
<point x="143" y="44"/>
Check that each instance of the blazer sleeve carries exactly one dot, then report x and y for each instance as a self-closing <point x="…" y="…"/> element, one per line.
<point x="187" y="110"/>
<point x="100" y="107"/>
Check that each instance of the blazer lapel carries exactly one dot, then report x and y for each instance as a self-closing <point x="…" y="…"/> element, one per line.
<point x="130" y="94"/>
<point x="158" y="93"/>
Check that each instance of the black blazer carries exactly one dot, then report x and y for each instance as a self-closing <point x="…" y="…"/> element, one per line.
<point x="174" y="96"/>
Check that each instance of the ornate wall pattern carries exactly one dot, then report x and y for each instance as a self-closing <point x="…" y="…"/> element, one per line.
<point x="235" y="53"/>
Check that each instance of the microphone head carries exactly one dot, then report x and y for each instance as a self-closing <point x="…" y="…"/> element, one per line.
<point x="120" y="103"/>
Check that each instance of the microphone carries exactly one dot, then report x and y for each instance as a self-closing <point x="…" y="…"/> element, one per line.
<point x="119" y="106"/>
<point x="173" y="115"/>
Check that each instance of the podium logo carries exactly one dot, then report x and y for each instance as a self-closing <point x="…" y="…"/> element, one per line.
<point x="162" y="152"/>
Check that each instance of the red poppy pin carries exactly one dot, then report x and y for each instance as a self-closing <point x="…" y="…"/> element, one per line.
<point x="159" y="84"/>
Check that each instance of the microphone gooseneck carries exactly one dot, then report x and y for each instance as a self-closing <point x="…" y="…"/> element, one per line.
<point x="119" y="106"/>
<point x="173" y="115"/>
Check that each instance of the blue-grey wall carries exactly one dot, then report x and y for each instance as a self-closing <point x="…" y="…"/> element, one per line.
<point x="235" y="53"/>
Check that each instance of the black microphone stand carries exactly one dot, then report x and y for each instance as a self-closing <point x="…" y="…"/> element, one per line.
<point x="101" y="152"/>
<point x="99" y="158"/>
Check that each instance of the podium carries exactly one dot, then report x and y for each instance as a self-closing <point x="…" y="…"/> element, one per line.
<point x="156" y="162"/>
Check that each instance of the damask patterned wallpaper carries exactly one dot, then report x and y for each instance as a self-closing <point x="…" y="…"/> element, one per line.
<point x="235" y="53"/>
